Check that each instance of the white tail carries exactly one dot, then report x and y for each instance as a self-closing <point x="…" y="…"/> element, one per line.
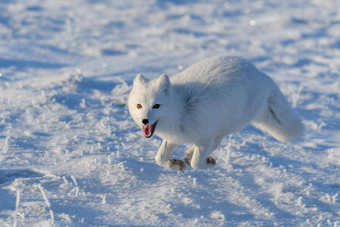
<point x="279" y="119"/>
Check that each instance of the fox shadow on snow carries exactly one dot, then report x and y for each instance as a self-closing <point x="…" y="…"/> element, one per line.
<point x="7" y="177"/>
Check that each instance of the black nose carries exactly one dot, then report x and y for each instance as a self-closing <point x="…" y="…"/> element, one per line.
<point x="145" y="121"/>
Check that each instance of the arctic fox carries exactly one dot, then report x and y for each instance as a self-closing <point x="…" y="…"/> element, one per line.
<point x="209" y="100"/>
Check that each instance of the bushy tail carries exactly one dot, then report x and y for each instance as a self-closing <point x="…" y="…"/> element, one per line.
<point x="279" y="119"/>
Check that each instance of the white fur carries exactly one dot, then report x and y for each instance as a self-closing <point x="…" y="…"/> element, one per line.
<point x="209" y="100"/>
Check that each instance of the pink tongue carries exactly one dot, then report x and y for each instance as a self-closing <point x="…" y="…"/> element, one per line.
<point x="148" y="130"/>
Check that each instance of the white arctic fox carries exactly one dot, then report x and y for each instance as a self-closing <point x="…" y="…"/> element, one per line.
<point x="204" y="103"/>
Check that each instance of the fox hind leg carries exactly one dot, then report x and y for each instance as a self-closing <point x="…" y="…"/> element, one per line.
<point x="200" y="158"/>
<point x="188" y="154"/>
<point x="217" y="141"/>
<point x="210" y="160"/>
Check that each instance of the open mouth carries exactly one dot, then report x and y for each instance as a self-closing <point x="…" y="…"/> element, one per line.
<point x="149" y="129"/>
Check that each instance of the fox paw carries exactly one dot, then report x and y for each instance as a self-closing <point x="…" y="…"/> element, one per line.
<point x="211" y="161"/>
<point x="177" y="165"/>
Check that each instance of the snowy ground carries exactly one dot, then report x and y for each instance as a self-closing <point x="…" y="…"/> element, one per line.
<point x="71" y="155"/>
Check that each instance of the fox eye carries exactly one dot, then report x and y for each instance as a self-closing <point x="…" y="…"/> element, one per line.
<point x="156" y="106"/>
<point x="139" y="106"/>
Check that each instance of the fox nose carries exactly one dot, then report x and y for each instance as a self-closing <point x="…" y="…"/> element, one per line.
<point x="145" y="121"/>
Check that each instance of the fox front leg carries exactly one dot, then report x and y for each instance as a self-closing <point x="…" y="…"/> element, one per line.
<point x="163" y="157"/>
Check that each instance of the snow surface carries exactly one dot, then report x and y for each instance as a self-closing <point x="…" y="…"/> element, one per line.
<point x="70" y="155"/>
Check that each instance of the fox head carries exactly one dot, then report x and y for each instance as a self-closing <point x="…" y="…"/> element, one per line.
<point x="149" y="102"/>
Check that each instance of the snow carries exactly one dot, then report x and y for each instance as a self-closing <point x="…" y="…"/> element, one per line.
<point x="70" y="155"/>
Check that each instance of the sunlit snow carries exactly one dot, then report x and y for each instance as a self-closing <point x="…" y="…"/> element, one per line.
<point x="70" y="154"/>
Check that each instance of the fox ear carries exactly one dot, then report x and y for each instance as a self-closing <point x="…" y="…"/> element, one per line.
<point x="164" y="82"/>
<point x="140" y="79"/>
